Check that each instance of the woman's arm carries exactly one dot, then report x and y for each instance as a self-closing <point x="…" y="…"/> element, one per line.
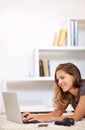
<point x="79" y="111"/>
<point x="56" y="115"/>
<point x="48" y="117"/>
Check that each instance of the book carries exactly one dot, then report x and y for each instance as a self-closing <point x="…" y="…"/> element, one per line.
<point x="45" y="67"/>
<point x="41" y="69"/>
<point x="72" y="32"/>
<point x="55" y="39"/>
<point x="48" y="67"/>
<point x="75" y="33"/>
<point x="62" y="37"/>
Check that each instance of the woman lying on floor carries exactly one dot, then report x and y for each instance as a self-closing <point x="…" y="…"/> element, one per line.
<point x="69" y="89"/>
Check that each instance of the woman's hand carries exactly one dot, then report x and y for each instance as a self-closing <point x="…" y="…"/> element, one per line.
<point x="47" y="117"/>
<point x="28" y="117"/>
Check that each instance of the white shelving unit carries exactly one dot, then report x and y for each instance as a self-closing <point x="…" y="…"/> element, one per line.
<point x="57" y="55"/>
<point x="38" y="90"/>
<point x="68" y="53"/>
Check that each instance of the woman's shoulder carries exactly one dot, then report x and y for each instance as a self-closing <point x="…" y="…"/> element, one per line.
<point x="82" y="88"/>
<point x="82" y="83"/>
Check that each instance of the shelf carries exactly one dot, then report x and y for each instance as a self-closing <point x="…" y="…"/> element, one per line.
<point x="53" y="52"/>
<point x="57" y="55"/>
<point x="56" y="48"/>
<point x="29" y="83"/>
<point x="79" y="20"/>
<point x="31" y="79"/>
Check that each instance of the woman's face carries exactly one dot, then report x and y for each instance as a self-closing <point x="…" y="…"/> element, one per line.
<point x="65" y="80"/>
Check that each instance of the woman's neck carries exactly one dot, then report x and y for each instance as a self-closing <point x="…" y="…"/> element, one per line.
<point x="74" y="92"/>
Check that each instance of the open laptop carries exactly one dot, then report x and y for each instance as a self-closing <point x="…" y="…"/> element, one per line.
<point x="11" y="105"/>
<point x="12" y="109"/>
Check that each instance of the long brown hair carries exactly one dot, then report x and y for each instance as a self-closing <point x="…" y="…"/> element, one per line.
<point x="64" y="98"/>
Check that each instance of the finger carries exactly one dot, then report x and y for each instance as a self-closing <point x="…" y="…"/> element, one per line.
<point x="31" y="120"/>
<point x="25" y="119"/>
<point x="25" y="114"/>
<point x="30" y="116"/>
<point x="28" y="119"/>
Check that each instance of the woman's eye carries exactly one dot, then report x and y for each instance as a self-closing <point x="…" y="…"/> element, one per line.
<point x="62" y="77"/>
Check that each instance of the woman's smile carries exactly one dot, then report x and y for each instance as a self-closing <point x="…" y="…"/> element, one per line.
<point x="65" y="81"/>
<point x="63" y="87"/>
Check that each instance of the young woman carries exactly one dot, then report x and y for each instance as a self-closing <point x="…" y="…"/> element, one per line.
<point x="69" y="89"/>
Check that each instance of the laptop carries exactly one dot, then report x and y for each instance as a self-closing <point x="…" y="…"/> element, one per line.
<point x="12" y="109"/>
<point x="11" y="105"/>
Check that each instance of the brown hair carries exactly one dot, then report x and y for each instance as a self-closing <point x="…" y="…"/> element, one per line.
<point x="64" y="98"/>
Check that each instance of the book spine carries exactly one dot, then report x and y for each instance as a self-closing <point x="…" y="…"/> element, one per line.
<point x="75" y="33"/>
<point x="62" y="37"/>
<point x="45" y="67"/>
<point x="48" y="65"/>
<point x="41" y="69"/>
<point x="72" y="33"/>
<point x="55" y="40"/>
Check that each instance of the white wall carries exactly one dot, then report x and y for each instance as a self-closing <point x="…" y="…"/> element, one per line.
<point x="26" y="24"/>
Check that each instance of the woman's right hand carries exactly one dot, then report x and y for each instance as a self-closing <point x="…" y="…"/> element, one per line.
<point x="25" y="116"/>
<point x="28" y="117"/>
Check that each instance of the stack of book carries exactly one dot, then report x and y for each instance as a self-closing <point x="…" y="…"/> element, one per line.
<point x="44" y="67"/>
<point x="60" y="38"/>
